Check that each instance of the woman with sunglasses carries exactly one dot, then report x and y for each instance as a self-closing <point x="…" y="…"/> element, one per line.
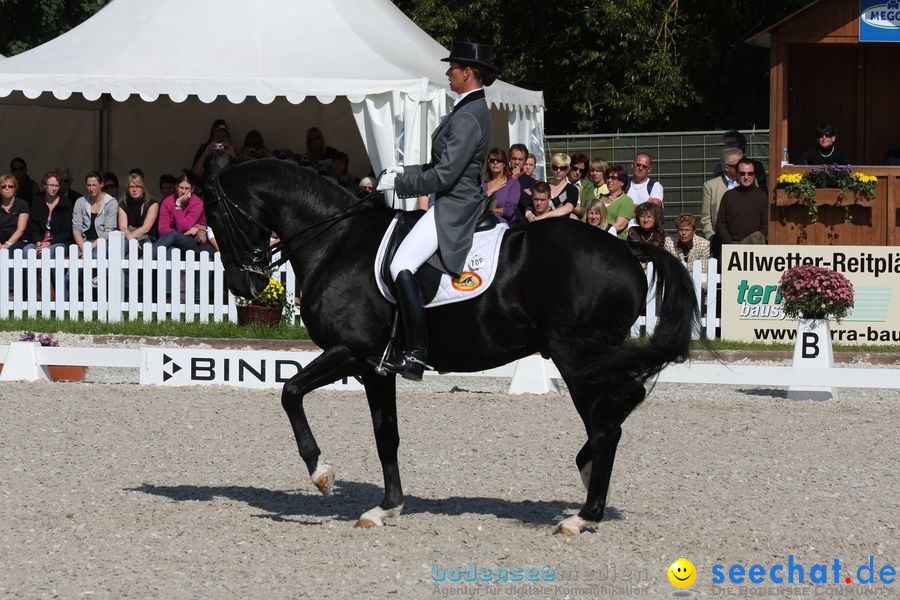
<point x="13" y="216"/>
<point x="51" y="217"/>
<point x="563" y="195"/>
<point x="94" y="215"/>
<point x="619" y="206"/>
<point x="501" y="189"/>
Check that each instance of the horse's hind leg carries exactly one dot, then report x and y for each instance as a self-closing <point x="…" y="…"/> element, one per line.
<point x="381" y="393"/>
<point x="329" y="366"/>
<point x="603" y="416"/>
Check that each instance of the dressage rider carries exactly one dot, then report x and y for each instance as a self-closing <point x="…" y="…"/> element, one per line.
<point x="459" y="147"/>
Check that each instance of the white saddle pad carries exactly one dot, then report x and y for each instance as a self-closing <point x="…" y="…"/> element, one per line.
<point x="477" y="275"/>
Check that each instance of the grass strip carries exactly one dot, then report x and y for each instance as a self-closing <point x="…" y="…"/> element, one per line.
<point x="167" y="328"/>
<point x="286" y="331"/>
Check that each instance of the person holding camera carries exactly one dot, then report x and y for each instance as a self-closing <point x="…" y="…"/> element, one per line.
<point x="217" y="153"/>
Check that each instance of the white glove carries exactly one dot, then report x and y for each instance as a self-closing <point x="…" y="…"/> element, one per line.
<point x="386" y="181"/>
<point x="612" y="230"/>
<point x="394" y="169"/>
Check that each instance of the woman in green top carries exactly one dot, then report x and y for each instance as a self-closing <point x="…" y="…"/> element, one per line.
<point x="619" y="207"/>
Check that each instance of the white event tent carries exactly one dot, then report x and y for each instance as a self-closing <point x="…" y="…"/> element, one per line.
<point x="139" y="83"/>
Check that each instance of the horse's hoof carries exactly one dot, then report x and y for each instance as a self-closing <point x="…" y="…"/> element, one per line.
<point x="366" y="524"/>
<point x="566" y="532"/>
<point x="375" y="517"/>
<point x="573" y="525"/>
<point x="323" y="479"/>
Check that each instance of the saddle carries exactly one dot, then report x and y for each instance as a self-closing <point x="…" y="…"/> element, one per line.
<point x="428" y="276"/>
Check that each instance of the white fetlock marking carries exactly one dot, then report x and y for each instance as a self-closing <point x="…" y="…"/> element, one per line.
<point x="323" y="479"/>
<point x="574" y="525"/>
<point x="377" y="515"/>
<point x="586" y="474"/>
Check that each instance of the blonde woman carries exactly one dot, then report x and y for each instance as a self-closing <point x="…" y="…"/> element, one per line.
<point x="563" y="195"/>
<point x="595" y="215"/>
<point x="138" y="212"/>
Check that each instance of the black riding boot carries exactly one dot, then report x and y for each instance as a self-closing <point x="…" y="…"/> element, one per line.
<point x="410" y="363"/>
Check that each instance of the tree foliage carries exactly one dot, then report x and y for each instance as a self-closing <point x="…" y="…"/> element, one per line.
<point x="630" y="65"/>
<point x="604" y="65"/>
<point x="29" y="23"/>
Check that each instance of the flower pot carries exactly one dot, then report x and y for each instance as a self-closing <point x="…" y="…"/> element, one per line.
<point x="65" y="373"/>
<point x="254" y="313"/>
<point x="824" y="197"/>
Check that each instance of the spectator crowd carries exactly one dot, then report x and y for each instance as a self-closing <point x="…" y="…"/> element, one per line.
<point x="50" y="213"/>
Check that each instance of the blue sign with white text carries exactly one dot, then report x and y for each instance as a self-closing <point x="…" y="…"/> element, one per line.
<point x="879" y="20"/>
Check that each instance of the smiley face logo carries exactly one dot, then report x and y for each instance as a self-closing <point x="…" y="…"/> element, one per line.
<point x="682" y="573"/>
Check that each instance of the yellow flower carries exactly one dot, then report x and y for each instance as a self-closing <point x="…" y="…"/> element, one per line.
<point x="790" y="178"/>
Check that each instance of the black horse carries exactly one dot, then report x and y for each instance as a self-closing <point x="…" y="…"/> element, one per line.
<point x="566" y="290"/>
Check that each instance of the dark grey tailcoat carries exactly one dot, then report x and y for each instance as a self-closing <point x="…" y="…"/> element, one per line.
<point x="459" y="147"/>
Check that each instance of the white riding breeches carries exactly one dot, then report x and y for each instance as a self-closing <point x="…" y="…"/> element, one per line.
<point x="417" y="247"/>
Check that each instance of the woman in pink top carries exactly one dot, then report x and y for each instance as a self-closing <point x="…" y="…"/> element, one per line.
<point x="182" y="223"/>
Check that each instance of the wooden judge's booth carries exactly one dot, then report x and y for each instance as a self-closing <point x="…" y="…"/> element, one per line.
<point x="823" y="69"/>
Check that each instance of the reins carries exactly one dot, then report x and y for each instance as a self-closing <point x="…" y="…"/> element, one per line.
<point x="239" y="240"/>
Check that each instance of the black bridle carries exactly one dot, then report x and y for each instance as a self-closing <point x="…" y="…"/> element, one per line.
<point x="258" y="260"/>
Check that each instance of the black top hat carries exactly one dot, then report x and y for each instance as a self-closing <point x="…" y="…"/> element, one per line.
<point x="472" y="53"/>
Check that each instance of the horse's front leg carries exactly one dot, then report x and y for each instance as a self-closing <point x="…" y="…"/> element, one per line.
<point x="381" y="393"/>
<point x="331" y="365"/>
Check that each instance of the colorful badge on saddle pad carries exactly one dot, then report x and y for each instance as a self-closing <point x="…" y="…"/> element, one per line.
<point x="466" y="282"/>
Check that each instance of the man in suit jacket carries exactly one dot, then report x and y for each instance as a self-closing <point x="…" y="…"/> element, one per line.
<point x="459" y="147"/>
<point x="713" y="190"/>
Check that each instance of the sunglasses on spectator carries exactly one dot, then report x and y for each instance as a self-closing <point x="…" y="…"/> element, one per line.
<point x="7" y="186"/>
<point x="825" y="135"/>
<point x="640" y="166"/>
<point x="615" y="178"/>
<point x="559" y="168"/>
<point x="746" y="173"/>
<point x="578" y="169"/>
<point x="495" y="161"/>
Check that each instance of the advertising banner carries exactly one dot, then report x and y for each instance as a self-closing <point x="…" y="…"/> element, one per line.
<point x="879" y="20"/>
<point x="240" y="368"/>
<point x="751" y="303"/>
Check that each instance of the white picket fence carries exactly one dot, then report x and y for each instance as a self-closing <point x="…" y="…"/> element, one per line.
<point x="114" y="287"/>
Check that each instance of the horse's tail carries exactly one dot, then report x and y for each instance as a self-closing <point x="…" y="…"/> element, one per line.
<point x="678" y="315"/>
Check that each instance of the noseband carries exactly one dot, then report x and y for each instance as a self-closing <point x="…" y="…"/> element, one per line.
<point x="258" y="260"/>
